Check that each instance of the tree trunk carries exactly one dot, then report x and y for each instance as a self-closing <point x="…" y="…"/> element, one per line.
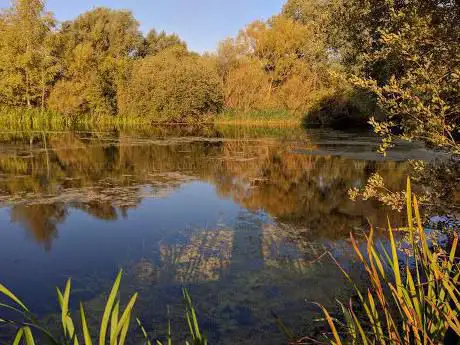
<point x="43" y="92"/>
<point x="270" y="86"/>
<point x="28" y="90"/>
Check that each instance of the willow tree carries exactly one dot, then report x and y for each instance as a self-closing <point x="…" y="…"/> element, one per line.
<point x="156" y="42"/>
<point x="96" y="50"/>
<point x="292" y="59"/>
<point x="27" y="61"/>
<point x="172" y="86"/>
<point x="407" y="54"/>
<point x="404" y="54"/>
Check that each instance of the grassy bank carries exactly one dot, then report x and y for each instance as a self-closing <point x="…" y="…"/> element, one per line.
<point x="257" y="118"/>
<point x="36" y="119"/>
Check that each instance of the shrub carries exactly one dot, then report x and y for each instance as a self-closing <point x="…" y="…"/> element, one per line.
<point x="172" y="86"/>
<point x="247" y="87"/>
<point x="342" y="108"/>
<point x="68" y="98"/>
<point x="76" y="97"/>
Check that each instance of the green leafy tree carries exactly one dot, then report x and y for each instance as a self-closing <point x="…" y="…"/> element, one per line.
<point x="28" y="65"/>
<point x="318" y="16"/>
<point x="412" y="67"/>
<point x="173" y="85"/>
<point x="97" y="50"/>
<point x="156" y="42"/>
<point x="406" y="56"/>
<point x="402" y="54"/>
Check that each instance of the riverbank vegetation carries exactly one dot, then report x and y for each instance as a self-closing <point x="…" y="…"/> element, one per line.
<point x="332" y="63"/>
<point x="340" y="63"/>
<point x="417" y="304"/>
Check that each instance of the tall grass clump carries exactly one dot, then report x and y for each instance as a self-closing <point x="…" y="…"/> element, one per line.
<point x="259" y="117"/>
<point x="197" y="338"/>
<point x="14" y="118"/>
<point x="114" y="328"/>
<point x="414" y="303"/>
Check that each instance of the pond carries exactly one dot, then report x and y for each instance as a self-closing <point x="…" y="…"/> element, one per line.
<point x="238" y="215"/>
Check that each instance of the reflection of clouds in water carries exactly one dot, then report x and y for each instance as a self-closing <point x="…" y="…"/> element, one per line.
<point x="278" y="252"/>
<point x="203" y="258"/>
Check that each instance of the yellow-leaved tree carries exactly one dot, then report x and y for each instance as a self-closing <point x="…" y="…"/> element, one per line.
<point x="28" y="64"/>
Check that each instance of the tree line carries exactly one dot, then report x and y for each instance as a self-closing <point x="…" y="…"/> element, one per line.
<point x="393" y="62"/>
<point x="89" y="65"/>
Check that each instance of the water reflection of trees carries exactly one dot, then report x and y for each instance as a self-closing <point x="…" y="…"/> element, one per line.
<point x="41" y="176"/>
<point x="41" y="220"/>
<point x="305" y="190"/>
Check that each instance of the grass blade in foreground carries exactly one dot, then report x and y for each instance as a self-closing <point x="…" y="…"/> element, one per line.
<point x="120" y="322"/>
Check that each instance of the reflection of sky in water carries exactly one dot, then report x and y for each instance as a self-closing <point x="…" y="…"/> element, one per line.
<point x="239" y="222"/>
<point x="86" y="244"/>
<point x="232" y="260"/>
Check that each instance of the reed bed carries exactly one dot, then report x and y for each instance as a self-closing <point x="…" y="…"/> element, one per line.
<point x="410" y="299"/>
<point x="33" y="119"/>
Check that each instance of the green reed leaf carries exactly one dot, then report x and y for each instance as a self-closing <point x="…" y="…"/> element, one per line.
<point x="108" y="309"/>
<point x="10" y="295"/>
<point x="84" y="326"/>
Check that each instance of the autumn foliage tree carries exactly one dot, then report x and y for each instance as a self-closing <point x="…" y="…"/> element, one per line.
<point x="287" y="60"/>
<point x="96" y="50"/>
<point x="27" y="61"/>
<point x="173" y="85"/>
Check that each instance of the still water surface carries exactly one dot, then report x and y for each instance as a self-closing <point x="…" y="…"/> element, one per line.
<point x="237" y="215"/>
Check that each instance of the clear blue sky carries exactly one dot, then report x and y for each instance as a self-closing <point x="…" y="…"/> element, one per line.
<point x="201" y="23"/>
